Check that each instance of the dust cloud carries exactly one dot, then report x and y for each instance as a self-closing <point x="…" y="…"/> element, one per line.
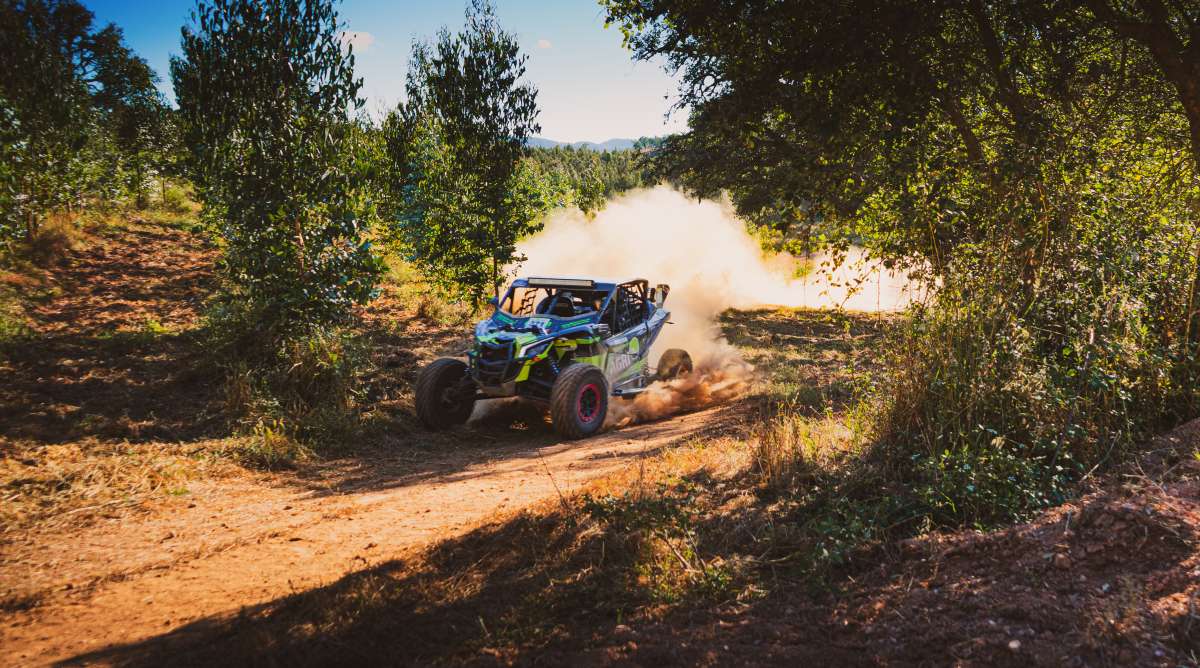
<point x="703" y="251"/>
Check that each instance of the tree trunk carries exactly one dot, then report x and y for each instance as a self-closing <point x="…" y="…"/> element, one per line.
<point x="31" y="223"/>
<point x="300" y="247"/>
<point x="495" y="281"/>
<point x="1179" y="62"/>
<point x="1180" y="66"/>
<point x="140" y="198"/>
<point x="1006" y="86"/>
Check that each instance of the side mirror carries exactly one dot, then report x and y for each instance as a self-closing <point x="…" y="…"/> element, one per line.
<point x="603" y="330"/>
<point x="493" y="301"/>
<point x="659" y="294"/>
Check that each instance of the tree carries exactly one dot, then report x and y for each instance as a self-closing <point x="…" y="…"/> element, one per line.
<point x="594" y="176"/>
<point x="465" y="194"/>
<point x="954" y="113"/>
<point x="1035" y="155"/>
<point x="265" y="90"/>
<point x="68" y="88"/>
<point x="1171" y="35"/>
<point x="142" y="130"/>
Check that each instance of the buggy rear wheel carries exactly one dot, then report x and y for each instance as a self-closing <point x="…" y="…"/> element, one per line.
<point x="445" y="394"/>
<point x="579" y="401"/>
<point x="674" y="363"/>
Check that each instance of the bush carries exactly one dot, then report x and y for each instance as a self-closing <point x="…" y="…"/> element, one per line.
<point x="175" y="199"/>
<point x="270" y="446"/>
<point x="54" y="238"/>
<point x="303" y="385"/>
<point x="658" y="528"/>
<point x="1008" y="388"/>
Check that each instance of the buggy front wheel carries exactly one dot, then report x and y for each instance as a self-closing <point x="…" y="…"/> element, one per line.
<point x="579" y="401"/>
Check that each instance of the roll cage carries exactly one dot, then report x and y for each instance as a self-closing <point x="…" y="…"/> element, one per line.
<point x="621" y="306"/>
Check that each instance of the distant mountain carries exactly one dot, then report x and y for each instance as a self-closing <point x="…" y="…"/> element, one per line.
<point x="542" y="142"/>
<point x="610" y="145"/>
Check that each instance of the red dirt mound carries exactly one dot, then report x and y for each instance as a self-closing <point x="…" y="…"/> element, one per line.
<point x="1111" y="579"/>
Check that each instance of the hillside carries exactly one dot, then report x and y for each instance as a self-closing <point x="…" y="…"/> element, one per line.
<point x="608" y="145"/>
<point x="131" y="537"/>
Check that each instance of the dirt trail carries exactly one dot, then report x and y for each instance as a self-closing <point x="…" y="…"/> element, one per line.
<point x="238" y="547"/>
<point x="94" y="374"/>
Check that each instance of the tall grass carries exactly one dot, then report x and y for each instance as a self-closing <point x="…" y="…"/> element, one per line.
<point x="290" y="393"/>
<point x="1013" y="385"/>
<point x="791" y="450"/>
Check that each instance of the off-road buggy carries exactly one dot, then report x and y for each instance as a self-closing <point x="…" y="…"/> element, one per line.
<point x="570" y="343"/>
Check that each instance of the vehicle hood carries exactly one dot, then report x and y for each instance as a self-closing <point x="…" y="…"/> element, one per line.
<point x="524" y="330"/>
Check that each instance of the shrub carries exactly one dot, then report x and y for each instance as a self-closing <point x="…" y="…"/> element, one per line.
<point x="1007" y="388"/>
<point x="269" y="445"/>
<point x="660" y="532"/>
<point x="304" y="384"/>
<point x="175" y="199"/>
<point x="54" y="238"/>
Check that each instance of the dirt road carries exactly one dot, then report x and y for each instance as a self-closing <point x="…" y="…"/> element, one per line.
<point x="232" y="546"/>
<point x="101" y="372"/>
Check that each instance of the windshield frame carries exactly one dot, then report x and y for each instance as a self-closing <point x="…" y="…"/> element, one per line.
<point x="510" y="293"/>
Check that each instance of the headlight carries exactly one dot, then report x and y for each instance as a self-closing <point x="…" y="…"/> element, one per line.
<point x="483" y="327"/>
<point x="535" y="348"/>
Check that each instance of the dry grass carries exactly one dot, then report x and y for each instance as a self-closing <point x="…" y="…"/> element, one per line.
<point x="792" y="449"/>
<point x="412" y="292"/>
<point x="518" y="580"/>
<point x="50" y="485"/>
<point x="812" y="361"/>
<point x="58" y="235"/>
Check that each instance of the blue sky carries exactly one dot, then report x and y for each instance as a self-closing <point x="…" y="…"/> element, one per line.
<point x="589" y="87"/>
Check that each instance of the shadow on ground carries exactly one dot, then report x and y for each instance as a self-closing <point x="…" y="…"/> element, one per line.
<point x="1104" y="581"/>
<point x="113" y="353"/>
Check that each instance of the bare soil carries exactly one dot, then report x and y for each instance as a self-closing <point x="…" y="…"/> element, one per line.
<point x="469" y="547"/>
<point x="112" y="360"/>
<point x="233" y="544"/>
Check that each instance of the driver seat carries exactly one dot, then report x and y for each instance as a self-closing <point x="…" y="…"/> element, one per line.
<point x="563" y="305"/>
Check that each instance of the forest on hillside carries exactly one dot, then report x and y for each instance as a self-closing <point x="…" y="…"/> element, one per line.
<point x="241" y="289"/>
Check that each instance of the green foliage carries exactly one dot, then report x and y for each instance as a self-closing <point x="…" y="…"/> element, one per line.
<point x="462" y="193"/>
<point x="1031" y="159"/>
<point x="13" y="326"/>
<point x="1000" y="399"/>
<point x="269" y="446"/>
<point x="78" y="113"/>
<point x="276" y="160"/>
<point x="920" y="122"/>
<point x="664" y="519"/>
<point x="595" y="176"/>
<point x="304" y="388"/>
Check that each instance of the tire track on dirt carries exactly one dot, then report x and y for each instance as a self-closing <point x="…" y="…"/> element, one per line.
<point x="334" y="535"/>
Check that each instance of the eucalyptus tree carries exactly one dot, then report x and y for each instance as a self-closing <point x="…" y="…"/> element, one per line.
<point x="265" y="91"/>
<point x="68" y="88"/>
<point x="465" y="192"/>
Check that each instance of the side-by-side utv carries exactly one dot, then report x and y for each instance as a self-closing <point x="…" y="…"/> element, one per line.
<point x="570" y="343"/>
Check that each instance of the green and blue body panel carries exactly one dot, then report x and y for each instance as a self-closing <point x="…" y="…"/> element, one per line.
<point x="522" y="355"/>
